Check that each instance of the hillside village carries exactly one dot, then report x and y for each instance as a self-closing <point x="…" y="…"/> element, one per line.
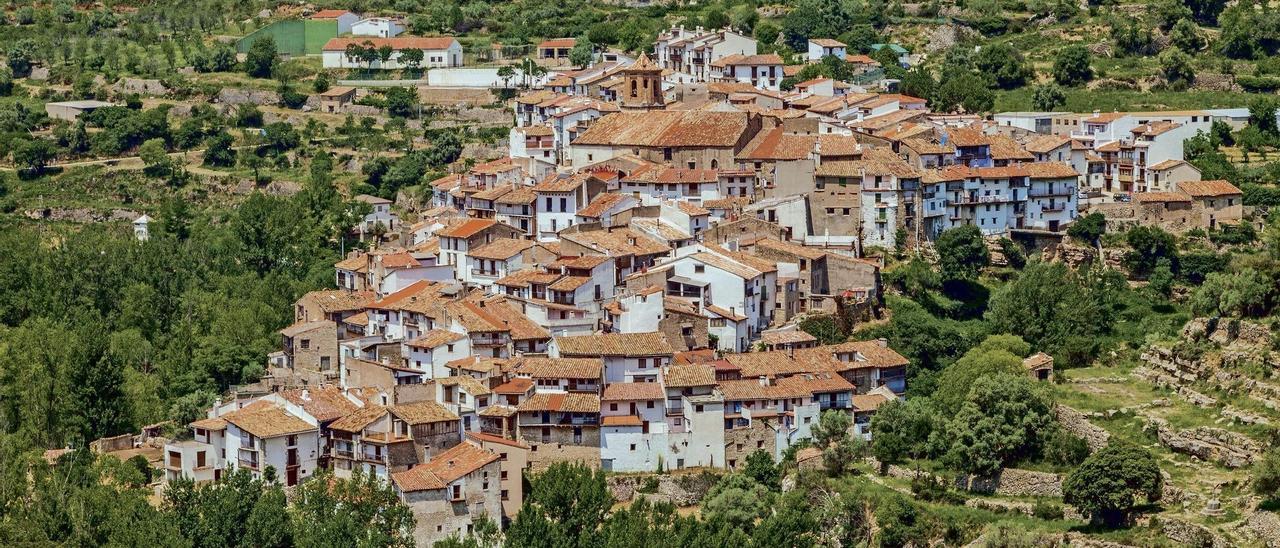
<point x="737" y="277"/>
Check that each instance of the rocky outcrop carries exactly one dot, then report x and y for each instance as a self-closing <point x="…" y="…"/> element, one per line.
<point x="240" y="96"/>
<point x="684" y="489"/>
<point x="1205" y="443"/>
<point x="81" y="214"/>
<point x="1078" y="425"/>
<point x="1076" y="255"/>
<point x="141" y="86"/>
<point x="1266" y="527"/>
<point x="1014" y="482"/>
<point x="1190" y="534"/>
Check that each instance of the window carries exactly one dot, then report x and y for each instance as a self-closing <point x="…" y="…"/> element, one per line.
<point x="306" y="343"/>
<point x="503" y="475"/>
<point x="633" y="447"/>
<point x="613" y="407"/>
<point x="699" y="268"/>
<point x="643" y="362"/>
<point x="504" y="494"/>
<point x="648" y="404"/>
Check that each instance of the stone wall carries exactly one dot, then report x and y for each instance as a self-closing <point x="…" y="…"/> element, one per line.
<point x="1014" y="482"/>
<point x="1206" y="443"/>
<point x="1190" y="534"/>
<point x="740" y="442"/>
<point x="1077" y="424"/>
<point x="680" y="489"/>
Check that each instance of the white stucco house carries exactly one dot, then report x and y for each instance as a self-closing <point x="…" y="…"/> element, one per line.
<point x="437" y="52"/>
<point x="381" y="27"/>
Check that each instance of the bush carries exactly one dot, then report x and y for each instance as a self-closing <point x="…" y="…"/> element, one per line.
<point x="1258" y="84"/>
<point x="1065" y="449"/>
<point x="934" y="489"/>
<point x="1228" y="234"/>
<point x="649" y="486"/>
<point x="1046" y="511"/>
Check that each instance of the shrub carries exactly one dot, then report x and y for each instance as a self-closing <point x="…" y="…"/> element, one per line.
<point x="649" y="486"/>
<point x="1046" y="510"/>
<point x="1065" y="449"/>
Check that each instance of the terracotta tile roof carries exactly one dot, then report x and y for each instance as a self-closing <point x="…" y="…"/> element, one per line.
<point x="340" y="300"/>
<point x="1046" y="143"/>
<point x="561" y="368"/>
<point x="1105" y="117"/>
<point x="791" y="336"/>
<point x="538" y="131"/>
<point x="779" y="363"/>
<point x="558" y="182"/>
<point x="304" y="327"/>
<point x="502" y="249"/>
<point x="558" y="43"/>
<point x="210" y="424"/>
<point x="422" y="412"/>
<point x="467" y="229"/>
<point x="701" y="355"/>
<point x="776" y="144"/>
<point x="520" y="195"/>
<point x="474" y="319"/>
<point x="1049" y="170"/>
<point x="906" y="99"/>
<point x="357" y="420"/>
<point x="447" y="467"/>
<point x="868" y="402"/>
<point x="1005" y="148"/>
<point x="1113" y="146"/>
<point x="615" y="344"/>
<point x="573" y="402"/>
<point x="735" y="268"/>
<point x="633" y="391"/>
<point x="1208" y="189"/>
<point x="619" y="242"/>
<point x="860" y="59"/>
<point x="569" y="283"/>
<point x="692" y="128"/>
<point x="399" y="260"/>
<point x="751" y="389"/>
<point x="583" y="261"/>
<point x="1037" y="360"/>
<point x="827" y="42"/>
<point x="325" y="403"/>
<point x="359" y="263"/>
<point x="1159" y="197"/>
<point x="790" y="247"/>
<point x="422" y="297"/>
<point x="680" y="306"/>
<point x="600" y="204"/>
<point x="889" y="119"/>
<point x="725" y="313"/>
<point x="621" y="420"/>
<point x="875" y="164"/>
<point x="520" y="327"/>
<point x="492" y="194"/>
<point x="516" y="386"/>
<point x="748" y="60"/>
<point x="967" y="137"/>
<point x="817" y="383"/>
<point x="502" y="411"/>
<point x="490" y="438"/>
<point x="733" y="202"/>
<point x="1167" y="164"/>
<point x="524" y="277"/>
<point x="928" y="146"/>
<point x="830" y="144"/>
<point x="357" y="320"/>
<point x="329" y="14"/>
<point x="688" y="375"/>
<point x="435" y="338"/>
<point x="478" y="364"/>
<point x="267" y="420"/>
<point x="397" y="43"/>
<point x="872" y="352"/>
<point x="467" y="383"/>
<point x="447" y="182"/>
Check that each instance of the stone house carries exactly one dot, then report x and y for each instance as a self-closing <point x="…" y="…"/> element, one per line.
<point x="449" y="493"/>
<point x="311" y="346"/>
<point x="433" y="428"/>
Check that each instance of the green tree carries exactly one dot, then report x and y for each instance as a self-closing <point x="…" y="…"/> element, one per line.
<point x="736" y="500"/>
<point x="32" y="155"/>
<point x="155" y="157"/>
<point x="1262" y="115"/>
<point x="919" y="82"/>
<point x="1088" y="229"/>
<point x="962" y="253"/>
<point x="1054" y="309"/>
<point x="1175" y="66"/>
<point x="218" y="151"/>
<point x="1001" y="422"/>
<point x="1244" y="293"/>
<point x="1071" y="67"/>
<point x="261" y="59"/>
<point x="564" y="506"/>
<point x="1107" y="485"/>
<point x="1149" y="244"/>
<point x="1048" y="97"/>
<point x="1004" y="64"/>
<point x="1206" y="12"/>
<point x="1186" y="36"/>
<point x="361" y="511"/>
<point x="402" y="101"/>
<point x="792" y="524"/>
<point x="831" y="434"/>
<point x="998" y="354"/>
<point x="901" y="429"/>
<point x="1266" y="475"/>
<point x="584" y="51"/>
<point x="760" y="467"/>
<point x="411" y="58"/>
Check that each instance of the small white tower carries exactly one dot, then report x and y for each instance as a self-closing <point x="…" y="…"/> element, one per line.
<point x="140" y="228"/>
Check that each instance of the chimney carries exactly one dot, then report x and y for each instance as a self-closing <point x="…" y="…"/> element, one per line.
<point x="791" y="351"/>
<point x="883" y="342"/>
<point x="306" y="395"/>
<point x="764" y="381"/>
<point x="449" y="463"/>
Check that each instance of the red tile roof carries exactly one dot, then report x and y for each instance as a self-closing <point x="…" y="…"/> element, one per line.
<point x="398" y="43"/>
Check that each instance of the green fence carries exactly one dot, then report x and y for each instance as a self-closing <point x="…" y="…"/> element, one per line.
<point x="293" y="37"/>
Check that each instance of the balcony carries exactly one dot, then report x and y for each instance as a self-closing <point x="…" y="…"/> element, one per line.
<point x="1064" y="191"/>
<point x="485" y="273"/>
<point x="1053" y="207"/>
<point x="343" y="453"/>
